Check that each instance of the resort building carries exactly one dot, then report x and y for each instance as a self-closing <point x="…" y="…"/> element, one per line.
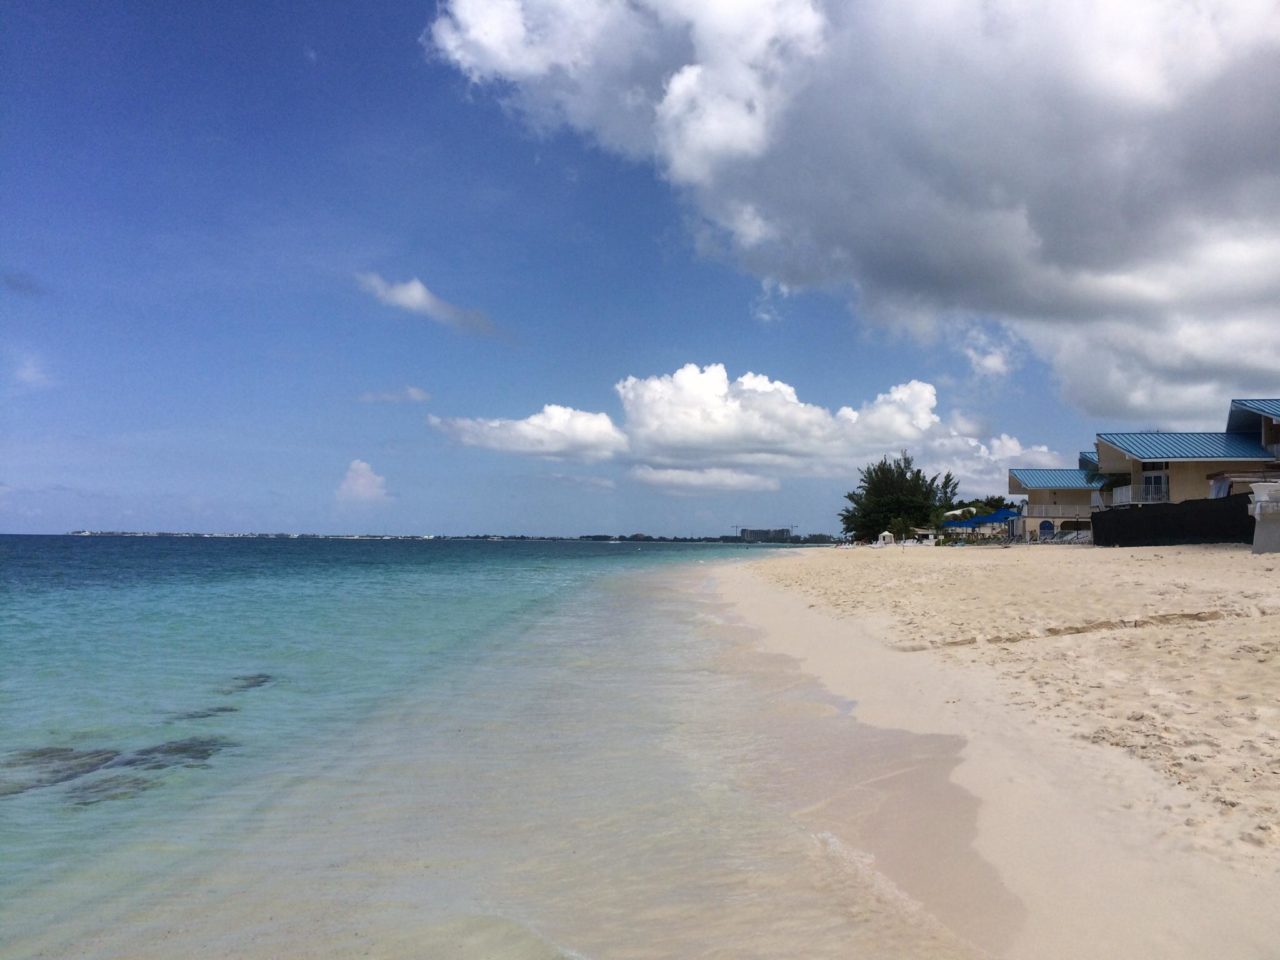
<point x="1057" y="500"/>
<point x="775" y="535"/>
<point x="1173" y="467"/>
<point x="1132" y="469"/>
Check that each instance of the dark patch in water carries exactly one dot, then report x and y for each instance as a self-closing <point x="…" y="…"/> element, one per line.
<point x="249" y="681"/>
<point x="118" y="786"/>
<point x="191" y="752"/>
<point x="204" y="714"/>
<point x="48" y="766"/>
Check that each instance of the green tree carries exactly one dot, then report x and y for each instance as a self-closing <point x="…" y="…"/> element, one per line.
<point x="895" y="489"/>
<point x="901" y="528"/>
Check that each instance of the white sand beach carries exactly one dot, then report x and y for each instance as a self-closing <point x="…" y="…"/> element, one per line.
<point x="1121" y="716"/>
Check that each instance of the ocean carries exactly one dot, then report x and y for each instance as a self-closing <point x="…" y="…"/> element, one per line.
<point x="463" y="749"/>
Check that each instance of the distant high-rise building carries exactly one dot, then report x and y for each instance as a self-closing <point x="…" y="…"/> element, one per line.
<point x="779" y="535"/>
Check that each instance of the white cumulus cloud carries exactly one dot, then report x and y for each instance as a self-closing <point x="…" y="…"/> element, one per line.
<point x="698" y="430"/>
<point x="697" y="86"/>
<point x="555" y="432"/>
<point x="362" y="485"/>
<point x="698" y="413"/>
<point x="413" y="296"/>
<point x="1099" y="179"/>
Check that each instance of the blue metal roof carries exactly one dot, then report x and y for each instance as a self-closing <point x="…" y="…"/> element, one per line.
<point x="1245" y="415"/>
<point x="1187" y="446"/>
<point x="1032" y="479"/>
<point x="1088" y="456"/>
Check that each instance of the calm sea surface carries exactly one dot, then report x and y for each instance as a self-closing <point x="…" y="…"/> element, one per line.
<point x="324" y="748"/>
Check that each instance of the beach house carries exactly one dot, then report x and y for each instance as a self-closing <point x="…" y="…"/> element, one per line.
<point x="1152" y="467"/>
<point x="1175" y="467"/>
<point x="1057" y="500"/>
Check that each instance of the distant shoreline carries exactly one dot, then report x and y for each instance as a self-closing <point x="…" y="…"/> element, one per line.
<point x="590" y="538"/>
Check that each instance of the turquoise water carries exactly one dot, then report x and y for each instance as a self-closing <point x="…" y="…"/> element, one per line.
<point x="142" y="674"/>
<point x="521" y="750"/>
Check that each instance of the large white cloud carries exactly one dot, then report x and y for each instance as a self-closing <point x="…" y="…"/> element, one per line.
<point x="698" y="414"/>
<point x="1100" y="178"/>
<point x="696" y="430"/>
<point x="697" y="85"/>
<point x="555" y="432"/>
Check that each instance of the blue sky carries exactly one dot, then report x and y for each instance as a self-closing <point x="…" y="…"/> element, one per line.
<point x="321" y="268"/>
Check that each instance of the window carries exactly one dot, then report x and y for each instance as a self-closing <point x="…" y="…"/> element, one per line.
<point x="1150" y="466"/>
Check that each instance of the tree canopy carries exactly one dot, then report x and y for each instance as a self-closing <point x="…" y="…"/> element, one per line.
<point x="893" y="494"/>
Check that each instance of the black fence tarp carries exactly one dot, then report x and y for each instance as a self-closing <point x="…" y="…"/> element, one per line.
<point x="1225" y="520"/>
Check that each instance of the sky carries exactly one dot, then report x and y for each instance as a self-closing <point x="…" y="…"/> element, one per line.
<point x="572" y="267"/>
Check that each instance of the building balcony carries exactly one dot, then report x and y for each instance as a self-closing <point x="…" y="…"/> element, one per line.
<point x="1124" y="496"/>
<point x="1057" y="511"/>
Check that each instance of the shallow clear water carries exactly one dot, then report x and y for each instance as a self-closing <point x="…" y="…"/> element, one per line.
<point x="139" y="675"/>
<point x="469" y="749"/>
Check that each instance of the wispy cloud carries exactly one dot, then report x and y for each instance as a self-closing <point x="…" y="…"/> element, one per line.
<point x="705" y="480"/>
<point x="414" y="297"/>
<point x="765" y="307"/>
<point x="362" y="485"/>
<point x="31" y="373"/>
<point x="407" y="395"/>
<point x="28" y="374"/>
<point x="987" y="357"/>
<point x="590" y="483"/>
<point x="989" y="363"/>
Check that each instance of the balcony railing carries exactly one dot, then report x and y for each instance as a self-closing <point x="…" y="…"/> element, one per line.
<point x="1123" y="496"/>
<point x="1057" y="511"/>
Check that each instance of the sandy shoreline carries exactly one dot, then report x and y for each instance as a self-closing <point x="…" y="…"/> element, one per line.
<point x="724" y="761"/>
<point x="619" y="778"/>
<point x="1120" y="710"/>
